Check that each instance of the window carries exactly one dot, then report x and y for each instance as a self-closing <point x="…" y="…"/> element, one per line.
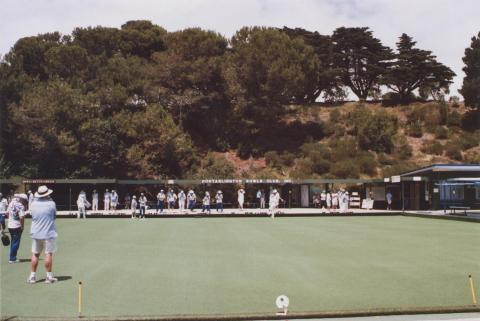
<point x="477" y="192"/>
<point x="451" y="192"/>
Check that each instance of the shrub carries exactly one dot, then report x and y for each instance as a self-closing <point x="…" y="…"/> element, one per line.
<point x="441" y="132"/>
<point x="453" y="151"/>
<point x="454" y="119"/>
<point x="303" y="168"/>
<point x="377" y="131"/>
<point x="403" y="150"/>
<point x="321" y="166"/>
<point x="471" y="120"/>
<point x="383" y="159"/>
<point x="432" y="148"/>
<point x="287" y="159"/>
<point x="273" y="159"/>
<point x="414" y="129"/>
<point x="346" y="168"/>
<point x="335" y="116"/>
<point x="468" y="140"/>
<point x="367" y="163"/>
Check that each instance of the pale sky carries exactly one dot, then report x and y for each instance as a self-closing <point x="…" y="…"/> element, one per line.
<point x="442" y="26"/>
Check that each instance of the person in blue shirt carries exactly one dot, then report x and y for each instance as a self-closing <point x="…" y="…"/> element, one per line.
<point x="43" y="232"/>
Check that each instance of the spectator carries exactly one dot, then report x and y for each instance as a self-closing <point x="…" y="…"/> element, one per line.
<point x="262" y="199"/>
<point x="16" y="212"/>
<point x="127" y="200"/>
<point x="316" y="200"/>
<point x="329" y="201"/>
<point x="43" y="232"/>
<point x="3" y="211"/>
<point x="389" y="197"/>
<point x="274" y="202"/>
<point x="323" y="200"/>
<point x="30" y="198"/>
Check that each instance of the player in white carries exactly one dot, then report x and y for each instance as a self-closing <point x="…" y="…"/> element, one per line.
<point x="192" y="200"/>
<point x="133" y="207"/>
<point x="142" y="201"/>
<point x="323" y="200"/>
<point x="113" y="200"/>
<point x="82" y="205"/>
<point x="160" y="201"/>
<point x="171" y="199"/>
<point x="106" y="200"/>
<point x="241" y="198"/>
<point x="219" y="201"/>
<point x="94" y="200"/>
<point x="274" y="202"/>
<point x="206" y="203"/>
<point x="181" y="200"/>
<point x="329" y="201"/>
<point x="334" y="201"/>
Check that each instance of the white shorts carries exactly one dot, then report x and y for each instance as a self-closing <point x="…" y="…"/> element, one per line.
<point x="50" y="246"/>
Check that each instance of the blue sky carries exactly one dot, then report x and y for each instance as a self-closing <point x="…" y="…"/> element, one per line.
<point x="443" y="26"/>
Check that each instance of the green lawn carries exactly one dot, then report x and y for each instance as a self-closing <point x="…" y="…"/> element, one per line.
<point x="240" y="265"/>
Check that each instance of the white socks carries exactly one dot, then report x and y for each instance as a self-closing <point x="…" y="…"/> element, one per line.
<point x="49" y="275"/>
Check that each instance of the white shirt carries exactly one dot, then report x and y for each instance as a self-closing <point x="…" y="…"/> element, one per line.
<point x="182" y="196"/>
<point x="134" y="204"/>
<point x="219" y="198"/>
<point x="3" y="205"/>
<point x="206" y="200"/>
<point x="15" y="212"/>
<point x="171" y="197"/>
<point x="107" y="196"/>
<point x="389" y="197"/>
<point x="161" y="196"/>
<point x="95" y="196"/>
<point x="191" y="196"/>
<point x="241" y="195"/>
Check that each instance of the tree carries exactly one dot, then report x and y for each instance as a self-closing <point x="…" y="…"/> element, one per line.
<point x="377" y="132"/>
<point x="471" y="82"/>
<point x="327" y="80"/>
<point x="414" y="68"/>
<point x="142" y="38"/>
<point x="362" y="59"/>
<point x="268" y="67"/>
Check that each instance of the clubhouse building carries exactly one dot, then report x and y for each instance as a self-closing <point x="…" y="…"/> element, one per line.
<point x="440" y="186"/>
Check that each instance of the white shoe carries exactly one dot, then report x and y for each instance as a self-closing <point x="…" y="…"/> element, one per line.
<point x="31" y="280"/>
<point x="50" y="280"/>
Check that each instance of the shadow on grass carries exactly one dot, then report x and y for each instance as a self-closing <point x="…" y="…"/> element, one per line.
<point x="60" y="278"/>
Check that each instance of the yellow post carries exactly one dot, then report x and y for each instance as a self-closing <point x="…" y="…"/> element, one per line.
<point x="80" y="298"/>
<point x="472" y="288"/>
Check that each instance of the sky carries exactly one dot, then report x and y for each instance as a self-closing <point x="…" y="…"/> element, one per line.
<point x="443" y="26"/>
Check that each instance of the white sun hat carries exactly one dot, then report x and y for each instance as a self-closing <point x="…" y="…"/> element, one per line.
<point x="43" y="191"/>
<point x="21" y="195"/>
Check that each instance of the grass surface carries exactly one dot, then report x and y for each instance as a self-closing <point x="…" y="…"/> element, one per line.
<point x="222" y="265"/>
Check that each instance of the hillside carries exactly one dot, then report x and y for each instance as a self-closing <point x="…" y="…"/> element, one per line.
<point x="423" y="137"/>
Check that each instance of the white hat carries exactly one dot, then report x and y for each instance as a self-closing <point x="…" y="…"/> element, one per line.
<point x="274" y="191"/>
<point x="134" y="196"/>
<point x="207" y="193"/>
<point x="161" y="190"/>
<point x="219" y="192"/>
<point x="43" y="191"/>
<point x="22" y="195"/>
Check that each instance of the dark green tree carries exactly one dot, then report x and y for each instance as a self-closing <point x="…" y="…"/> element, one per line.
<point x="415" y="68"/>
<point x="362" y="59"/>
<point x="327" y="81"/>
<point x="471" y="82"/>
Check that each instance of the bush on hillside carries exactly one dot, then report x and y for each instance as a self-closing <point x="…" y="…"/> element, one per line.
<point x="403" y="150"/>
<point x="335" y="115"/>
<point x="454" y="119"/>
<point x="432" y="147"/>
<point x="453" y="151"/>
<point x="367" y="163"/>
<point x="414" y="129"/>
<point x="441" y="132"/>
<point x="346" y="168"/>
<point x="377" y="131"/>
